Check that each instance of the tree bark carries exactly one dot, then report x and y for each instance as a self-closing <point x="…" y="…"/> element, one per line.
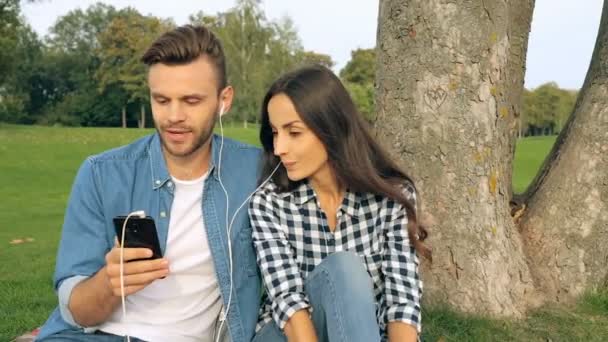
<point x="565" y="228"/>
<point x="142" y="120"/>
<point x="449" y="84"/>
<point x="124" y="117"/>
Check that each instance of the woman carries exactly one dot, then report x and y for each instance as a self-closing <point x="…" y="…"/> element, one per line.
<point x="335" y="228"/>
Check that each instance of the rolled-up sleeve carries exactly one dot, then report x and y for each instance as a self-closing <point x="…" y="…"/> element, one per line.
<point x="403" y="286"/>
<point x="64" y="292"/>
<point x="275" y="257"/>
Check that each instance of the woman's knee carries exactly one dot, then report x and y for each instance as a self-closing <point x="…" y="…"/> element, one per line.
<point x="347" y="272"/>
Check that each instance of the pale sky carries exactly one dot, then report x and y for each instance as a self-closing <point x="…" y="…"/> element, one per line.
<point x="561" y="42"/>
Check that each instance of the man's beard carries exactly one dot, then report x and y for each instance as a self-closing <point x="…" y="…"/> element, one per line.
<point x="198" y="142"/>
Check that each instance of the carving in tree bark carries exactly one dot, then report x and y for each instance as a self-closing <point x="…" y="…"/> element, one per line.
<point x="449" y="84"/>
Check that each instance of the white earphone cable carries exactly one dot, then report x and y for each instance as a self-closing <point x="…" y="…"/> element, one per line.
<point x="139" y="213"/>
<point x="229" y="225"/>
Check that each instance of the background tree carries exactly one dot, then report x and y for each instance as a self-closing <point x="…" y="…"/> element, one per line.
<point x="361" y="68"/>
<point x="256" y="50"/>
<point x="9" y="21"/>
<point x="450" y="82"/>
<point x="311" y="57"/>
<point x="87" y="68"/>
<point x="121" y="46"/>
<point x="21" y="90"/>
<point x="358" y="76"/>
<point x="72" y="47"/>
<point x="546" y="108"/>
<point x="244" y="33"/>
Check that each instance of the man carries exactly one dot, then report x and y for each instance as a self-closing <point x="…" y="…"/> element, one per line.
<point x="174" y="176"/>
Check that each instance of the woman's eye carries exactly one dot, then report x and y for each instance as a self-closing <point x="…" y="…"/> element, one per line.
<point x="295" y="134"/>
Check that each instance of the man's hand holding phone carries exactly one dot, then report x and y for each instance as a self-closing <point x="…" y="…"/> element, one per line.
<point x="138" y="273"/>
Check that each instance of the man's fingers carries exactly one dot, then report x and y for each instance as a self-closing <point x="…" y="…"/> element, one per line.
<point x="139" y="279"/>
<point x="128" y="254"/>
<point x="136" y="267"/>
<point x="129" y="290"/>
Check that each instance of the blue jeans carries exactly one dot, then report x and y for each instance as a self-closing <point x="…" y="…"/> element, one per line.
<point x="80" y="336"/>
<point x="341" y="294"/>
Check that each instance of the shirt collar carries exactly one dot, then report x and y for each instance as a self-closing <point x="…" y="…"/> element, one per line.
<point x="160" y="174"/>
<point x="351" y="203"/>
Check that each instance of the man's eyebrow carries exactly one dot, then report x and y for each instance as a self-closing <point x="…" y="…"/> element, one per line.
<point x="193" y="95"/>
<point x="157" y="94"/>
<point x="183" y="97"/>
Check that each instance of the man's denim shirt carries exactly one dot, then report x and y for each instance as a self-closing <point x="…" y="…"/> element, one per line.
<point x="135" y="177"/>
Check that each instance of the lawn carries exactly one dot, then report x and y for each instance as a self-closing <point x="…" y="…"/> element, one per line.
<point x="529" y="156"/>
<point x="37" y="166"/>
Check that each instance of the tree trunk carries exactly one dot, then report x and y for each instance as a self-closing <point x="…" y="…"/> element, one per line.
<point x="565" y="229"/>
<point x="449" y="85"/>
<point x="124" y="117"/>
<point x="142" y="120"/>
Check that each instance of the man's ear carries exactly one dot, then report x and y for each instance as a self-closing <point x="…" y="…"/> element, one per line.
<point x="226" y="96"/>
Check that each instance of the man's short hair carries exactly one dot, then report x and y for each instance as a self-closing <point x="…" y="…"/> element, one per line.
<point x="184" y="45"/>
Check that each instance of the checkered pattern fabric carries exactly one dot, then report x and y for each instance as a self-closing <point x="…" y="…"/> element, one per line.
<point x="291" y="236"/>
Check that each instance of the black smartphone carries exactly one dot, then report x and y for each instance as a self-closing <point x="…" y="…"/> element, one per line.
<point x="139" y="233"/>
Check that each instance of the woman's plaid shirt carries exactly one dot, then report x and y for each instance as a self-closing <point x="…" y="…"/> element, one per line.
<point x="291" y="236"/>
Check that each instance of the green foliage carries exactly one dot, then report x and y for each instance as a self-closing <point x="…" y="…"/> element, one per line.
<point x="54" y="82"/>
<point x="311" y="57"/>
<point x="88" y="69"/>
<point x="257" y="52"/>
<point x="361" y="68"/>
<point x="358" y="76"/>
<point x="9" y="25"/>
<point x="77" y="32"/>
<point x="546" y="109"/>
<point x="121" y="46"/>
<point x="363" y="96"/>
<point x="21" y="88"/>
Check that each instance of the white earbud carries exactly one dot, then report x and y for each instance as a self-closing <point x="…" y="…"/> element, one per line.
<point x="222" y="109"/>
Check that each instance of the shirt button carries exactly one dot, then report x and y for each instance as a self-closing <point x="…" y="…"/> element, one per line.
<point x="169" y="184"/>
<point x="157" y="182"/>
<point x="163" y="214"/>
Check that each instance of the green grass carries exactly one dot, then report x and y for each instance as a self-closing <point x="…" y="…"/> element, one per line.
<point x="584" y="321"/>
<point x="529" y="156"/>
<point x="37" y="167"/>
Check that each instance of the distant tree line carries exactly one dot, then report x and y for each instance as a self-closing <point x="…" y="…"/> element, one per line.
<point x="86" y="71"/>
<point x="546" y="109"/>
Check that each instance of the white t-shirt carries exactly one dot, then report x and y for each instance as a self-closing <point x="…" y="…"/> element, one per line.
<point x="184" y="306"/>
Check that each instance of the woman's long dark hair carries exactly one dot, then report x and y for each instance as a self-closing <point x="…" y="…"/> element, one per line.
<point x="358" y="162"/>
